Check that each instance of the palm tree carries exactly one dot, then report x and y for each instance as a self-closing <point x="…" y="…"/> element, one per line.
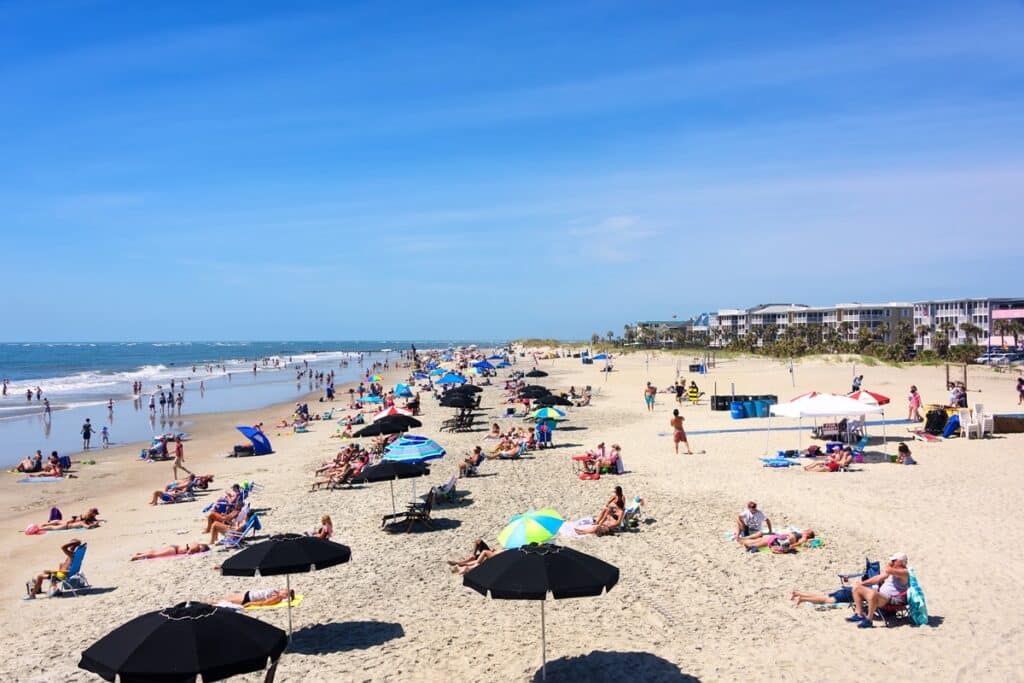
<point x="844" y="329"/>
<point x="1003" y="327"/>
<point x="971" y="332"/>
<point x="922" y="331"/>
<point x="948" y="328"/>
<point x="610" y="335"/>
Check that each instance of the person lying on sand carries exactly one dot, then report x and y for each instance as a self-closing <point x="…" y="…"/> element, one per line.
<point x="87" y="520"/>
<point x="843" y="595"/>
<point x="262" y="597"/>
<point x="171" y="551"/>
<point x="481" y="553"/>
<point x="35" y="586"/>
<point x="834" y="463"/>
<point x="783" y="542"/>
<point x="610" y="519"/>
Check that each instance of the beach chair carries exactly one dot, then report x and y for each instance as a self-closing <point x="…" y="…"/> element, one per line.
<point x="444" y="492"/>
<point x="969" y="423"/>
<point x="518" y="455"/>
<point x="416" y="514"/>
<point x="898" y="608"/>
<point x="74" y="580"/>
<point x="234" y="539"/>
<point x="632" y="514"/>
<point x="185" y="495"/>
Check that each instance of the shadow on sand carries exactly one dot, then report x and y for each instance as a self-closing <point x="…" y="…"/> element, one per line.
<point x="598" y="667"/>
<point x="322" y="639"/>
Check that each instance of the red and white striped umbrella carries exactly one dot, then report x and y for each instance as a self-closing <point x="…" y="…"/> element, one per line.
<point x="388" y="412"/>
<point x="869" y="397"/>
<point x="809" y="394"/>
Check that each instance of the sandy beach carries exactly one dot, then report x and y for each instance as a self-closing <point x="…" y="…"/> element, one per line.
<point x="689" y="603"/>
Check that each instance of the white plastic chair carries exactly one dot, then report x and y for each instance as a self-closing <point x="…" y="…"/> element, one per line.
<point x="968" y="424"/>
<point x="988" y="424"/>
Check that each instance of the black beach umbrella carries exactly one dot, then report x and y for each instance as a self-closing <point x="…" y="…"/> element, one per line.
<point x="552" y="400"/>
<point x="389" y="470"/>
<point x="536" y="373"/>
<point x="458" y="401"/>
<point x="185" y="641"/>
<point x="531" y="572"/>
<point x="534" y="392"/>
<point x="286" y="554"/>
<point x="466" y="389"/>
<point x="392" y="424"/>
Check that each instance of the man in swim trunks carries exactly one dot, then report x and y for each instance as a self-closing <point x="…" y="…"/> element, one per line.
<point x="649" y="392"/>
<point x="86" y="434"/>
<point x="35" y="587"/>
<point x="678" y="433"/>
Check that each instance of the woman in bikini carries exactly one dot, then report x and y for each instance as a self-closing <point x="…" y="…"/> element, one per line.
<point x="172" y="551"/>
<point x="610" y="518"/>
<point x="263" y="597"/>
<point x="87" y="520"/>
<point x="794" y="538"/>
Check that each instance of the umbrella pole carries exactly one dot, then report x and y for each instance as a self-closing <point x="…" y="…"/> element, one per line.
<point x="543" y="646"/>
<point x="391" y="483"/>
<point x="288" y="585"/>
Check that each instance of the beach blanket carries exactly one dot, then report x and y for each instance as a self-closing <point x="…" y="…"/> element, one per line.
<point x="39" y="480"/>
<point x="778" y="462"/>
<point x="296" y="601"/>
<point x="569" y="527"/>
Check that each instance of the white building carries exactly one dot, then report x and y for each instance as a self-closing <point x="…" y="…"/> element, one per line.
<point x="980" y="312"/>
<point x="847" y="319"/>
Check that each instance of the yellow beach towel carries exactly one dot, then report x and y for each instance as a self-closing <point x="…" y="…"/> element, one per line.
<point x="296" y="601"/>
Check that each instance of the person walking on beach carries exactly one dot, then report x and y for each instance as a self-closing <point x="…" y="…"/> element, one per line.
<point x="914" y="405"/>
<point x="678" y="433"/>
<point x="179" y="457"/>
<point x="163" y="402"/>
<point x="152" y="405"/>
<point x="680" y="390"/>
<point x="1020" y="391"/>
<point x="857" y="381"/>
<point x="46" y="407"/>
<point x="649" y="393"/>
<point x="105" y="436"/>
<point x="86" y="434"/>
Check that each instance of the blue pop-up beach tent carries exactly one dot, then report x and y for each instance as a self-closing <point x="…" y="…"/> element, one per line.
<point x="260" y="442"/>
<point x="403" y="390"/>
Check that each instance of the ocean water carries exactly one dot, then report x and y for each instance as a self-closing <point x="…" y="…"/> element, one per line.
<point x="79" y="379"/>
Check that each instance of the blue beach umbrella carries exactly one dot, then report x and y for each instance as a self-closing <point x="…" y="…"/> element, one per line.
<point x="452" y="378"/>
<point x="496" y="357"/>
<point x="483" y="365"/>
<point x="432" y="364"/>
<point x="414" y="448"/>
<point x="403" y="390"/>
<point x="421" y="375"/>
<point x="504" y="364"/>
<point x="371" y="399"/>
<point x="437" y="371"/>
<point x="601" y="356"/>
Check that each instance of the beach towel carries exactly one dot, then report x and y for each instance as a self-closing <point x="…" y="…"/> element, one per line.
<point x="568" y="529"/>
<point x="39" y="480"/>
<point x="915" y="600"/>
<point x="778" y="462"/>
<point x="296" y="601"/>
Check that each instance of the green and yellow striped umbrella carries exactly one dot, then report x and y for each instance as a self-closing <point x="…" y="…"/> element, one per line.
<point x="548" y="413"/>
<point x="533" y="526"/>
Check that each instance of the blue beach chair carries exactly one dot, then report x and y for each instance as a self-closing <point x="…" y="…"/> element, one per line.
<point x="74" y="580"/>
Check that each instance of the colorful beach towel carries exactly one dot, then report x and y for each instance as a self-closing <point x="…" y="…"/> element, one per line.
<point x="296" y="601"/>
<point x="39" y="480"/>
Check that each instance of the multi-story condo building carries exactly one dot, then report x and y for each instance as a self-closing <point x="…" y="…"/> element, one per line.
<point x="953" y="314"/>
<point x="846" y="319"/>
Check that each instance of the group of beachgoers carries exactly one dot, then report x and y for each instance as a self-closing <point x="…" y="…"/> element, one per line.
<point x="868" y="595"/>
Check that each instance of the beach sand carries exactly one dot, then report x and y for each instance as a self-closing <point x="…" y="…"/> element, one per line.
<point x="688" y="602"/>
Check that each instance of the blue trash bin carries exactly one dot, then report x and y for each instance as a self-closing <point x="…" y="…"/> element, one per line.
<point x="761" y="407"/>
<point x="736" y="408"/>
<point x="750" y="409"/>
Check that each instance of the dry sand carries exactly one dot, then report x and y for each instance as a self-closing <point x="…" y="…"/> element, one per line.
<point x="688" y="603"/>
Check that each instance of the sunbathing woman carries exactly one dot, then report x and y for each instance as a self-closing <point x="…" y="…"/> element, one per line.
<point x="326" y="529"/>
<point x="479" y="546"/>
<point x="263" y="597"/>
<point x="789" y="540"/>
<point x="609" y="522"/>
<point x="833" y="464"/>
<point x="495" y="433"/>
<point x="172" y="551"/>
<point x="87" y="520"/>
<point x="616" y="501"/>
<point x="464" y="566"/>
<point x="32" y="464"/>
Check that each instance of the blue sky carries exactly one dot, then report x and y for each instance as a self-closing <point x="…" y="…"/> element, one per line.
<point x="433" y="170"/>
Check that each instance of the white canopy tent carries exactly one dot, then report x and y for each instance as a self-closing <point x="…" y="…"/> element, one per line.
<point x="823" y="405"/>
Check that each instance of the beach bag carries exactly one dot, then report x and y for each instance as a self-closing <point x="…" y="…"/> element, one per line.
<point x="916" y="603"/>
<point x="780" y="545"/>
<point x="55" y="514"/>
<point x="33" y="529"/>
<point x="935" y="422"/>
